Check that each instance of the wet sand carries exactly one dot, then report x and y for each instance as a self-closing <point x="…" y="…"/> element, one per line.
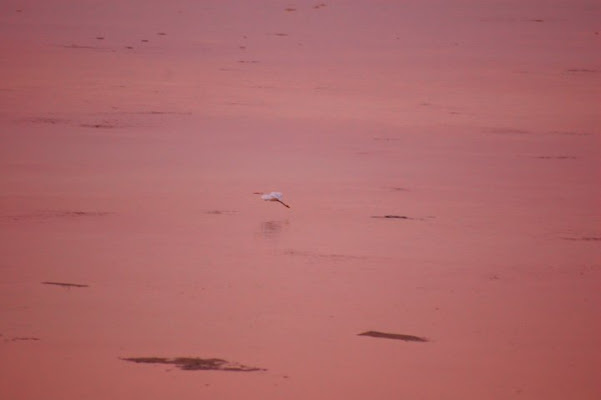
<point x="441" y="161"/>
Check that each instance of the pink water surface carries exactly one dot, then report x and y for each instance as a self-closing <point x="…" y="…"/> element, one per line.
<point x="134" y="133"/>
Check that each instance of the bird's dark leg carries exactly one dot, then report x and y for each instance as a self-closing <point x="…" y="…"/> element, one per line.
<point x="280" y="201"/>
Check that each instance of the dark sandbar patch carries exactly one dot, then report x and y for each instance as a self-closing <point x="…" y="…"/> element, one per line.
<point x="82" y="47"/>
<point x="65" y="284"/>
<point x="46" y="215"/>
<point x="508" y="131"/>
<point x="98" y="124"/>
<point x="394" y="336"/>
<point x="582" y="70"/>
<point x="195" y="364"/>
<point x="81" y="214"/>
<point x="330" y="257"/>
<point x="584" y="238"/>
<point x="156" y="112"/>
<point x="239" y="103"/>
<point x="221" y="212"/>
<point x="101" y="125"/>
<point x="569" y="133"/>
<point x="556" y="157"/>
<point x="78" y="46"/>
<point x="391" y="216"/>
<point x="45" y="120"/>
<point x="24" y="339"/>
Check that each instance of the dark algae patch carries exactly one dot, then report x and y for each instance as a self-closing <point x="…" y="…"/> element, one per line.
<point x="64" y="284"/>
<point x="394" y="336"/>
<point x="195" y="363"/>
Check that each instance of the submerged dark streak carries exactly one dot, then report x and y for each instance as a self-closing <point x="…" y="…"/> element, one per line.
<point x="394" y="336"/>
<point x="63" y="284"/>
<point x="391" y="216"/>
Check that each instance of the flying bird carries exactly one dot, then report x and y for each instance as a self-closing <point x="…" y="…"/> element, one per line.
<point x="273" y="196"/>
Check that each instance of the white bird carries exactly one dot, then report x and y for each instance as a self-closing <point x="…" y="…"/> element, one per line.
<point x="273" y="196"/>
